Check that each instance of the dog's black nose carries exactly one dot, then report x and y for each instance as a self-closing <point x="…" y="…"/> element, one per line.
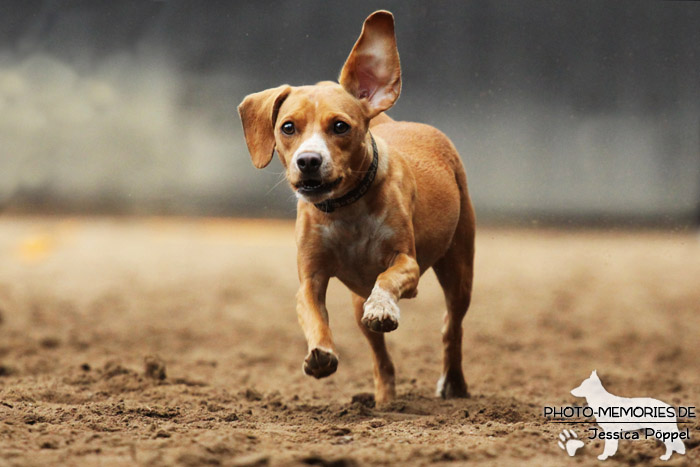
<point x="309" y="162"/>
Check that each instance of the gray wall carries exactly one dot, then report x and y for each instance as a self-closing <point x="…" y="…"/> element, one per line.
<point x="563" y="111"/>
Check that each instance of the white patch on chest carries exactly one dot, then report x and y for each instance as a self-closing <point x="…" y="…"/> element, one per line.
<point x="357" y="241"/>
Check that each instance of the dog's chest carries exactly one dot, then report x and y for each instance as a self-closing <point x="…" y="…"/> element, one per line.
<point x="359" y="246"/>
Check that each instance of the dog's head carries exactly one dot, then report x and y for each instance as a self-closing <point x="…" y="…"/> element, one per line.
<point x="320" y="131"/>
<point x="590" y="385"/>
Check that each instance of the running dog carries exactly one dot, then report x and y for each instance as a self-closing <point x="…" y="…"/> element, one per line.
<point x="379" y="203"/>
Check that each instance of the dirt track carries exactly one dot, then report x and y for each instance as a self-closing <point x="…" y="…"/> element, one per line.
<point x="83" y="302"/>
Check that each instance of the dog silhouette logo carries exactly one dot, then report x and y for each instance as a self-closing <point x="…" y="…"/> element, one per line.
<point x="625" y="417"/>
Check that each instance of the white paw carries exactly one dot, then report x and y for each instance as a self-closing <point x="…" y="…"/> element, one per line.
<point x="381" y="311"/>
<point x="569" y="442"/>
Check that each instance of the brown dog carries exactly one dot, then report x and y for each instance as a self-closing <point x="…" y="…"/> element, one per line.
<point x="379" y="202"/>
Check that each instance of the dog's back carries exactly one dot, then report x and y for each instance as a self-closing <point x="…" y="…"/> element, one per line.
<point x="440" y="180"/>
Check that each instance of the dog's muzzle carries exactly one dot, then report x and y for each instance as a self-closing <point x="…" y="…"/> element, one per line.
<point x="315" y="186"/>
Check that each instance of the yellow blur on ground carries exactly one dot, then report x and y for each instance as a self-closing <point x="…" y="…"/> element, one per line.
<point x="36" y="247"/>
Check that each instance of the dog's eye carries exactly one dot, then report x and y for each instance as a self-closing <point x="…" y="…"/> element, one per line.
<point x="288" y="128"/>
<point x="340" y="127"/>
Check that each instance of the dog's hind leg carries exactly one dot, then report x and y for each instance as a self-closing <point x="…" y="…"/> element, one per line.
<point x="669" y="450"/>
<point x="671" y="446"/>
<point x="384" y="389"/>
<point x="678" y="446"/>
<point x="455" y="272"/>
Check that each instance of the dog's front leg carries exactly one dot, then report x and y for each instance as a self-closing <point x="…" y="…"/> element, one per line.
<point x="381" y="312"/>
<point x="609" y="449"/>
<point x="321" y="360"/>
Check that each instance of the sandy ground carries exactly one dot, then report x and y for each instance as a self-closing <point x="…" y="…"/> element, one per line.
<point x="175" y="342"/>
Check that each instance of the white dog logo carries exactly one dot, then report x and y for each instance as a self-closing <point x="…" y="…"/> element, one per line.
<point x="617" y="415"/>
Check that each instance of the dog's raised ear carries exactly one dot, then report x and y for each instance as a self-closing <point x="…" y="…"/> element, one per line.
<point x="259" y="114"/>
<point x="372" y="72"/>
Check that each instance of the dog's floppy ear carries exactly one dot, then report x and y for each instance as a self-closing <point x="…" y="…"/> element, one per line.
<point x="258" y="114"/>
<point x="372" y="71"/>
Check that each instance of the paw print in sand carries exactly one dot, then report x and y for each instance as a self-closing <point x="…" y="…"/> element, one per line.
<point x="569" y="442"/>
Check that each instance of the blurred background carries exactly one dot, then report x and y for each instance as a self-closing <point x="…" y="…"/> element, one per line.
<point x="564" y="112"/>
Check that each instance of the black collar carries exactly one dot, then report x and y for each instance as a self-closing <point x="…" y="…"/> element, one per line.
<point x="353" y="195"/>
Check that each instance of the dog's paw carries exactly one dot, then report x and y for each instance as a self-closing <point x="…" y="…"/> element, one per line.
<point x="381" y="311"/>
<point x="320" y="363"/>
<point x="451" y="387"/>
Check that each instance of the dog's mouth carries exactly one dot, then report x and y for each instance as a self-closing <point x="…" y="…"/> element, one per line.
<point x="313" y="187"/>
